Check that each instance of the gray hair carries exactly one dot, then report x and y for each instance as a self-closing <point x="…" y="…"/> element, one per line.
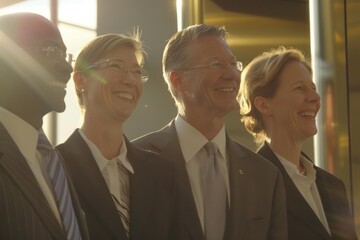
<point x="176" y="56"/>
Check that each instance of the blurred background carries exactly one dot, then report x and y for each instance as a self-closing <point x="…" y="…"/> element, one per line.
<point x="328" y="32"/>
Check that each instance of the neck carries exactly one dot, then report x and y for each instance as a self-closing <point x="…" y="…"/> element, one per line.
<point x="290" y="151"/>
<point x="27" y="113"/>
<point x="209" y="127"/>
<point x="107" y="137"/>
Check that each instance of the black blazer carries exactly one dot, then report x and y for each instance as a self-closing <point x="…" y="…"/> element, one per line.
<point x="302" y="221"/>
<point x="152" y="193"/>
<point x="24" y="211"/>
<point x="257" y="197"/>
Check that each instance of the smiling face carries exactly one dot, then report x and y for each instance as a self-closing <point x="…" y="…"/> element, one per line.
<point x="292" y="110"/>
<point x="36" y="56"/>
<point x="113" y="89"/>
<point x="54" y="73"/>
<point x="211" y="91"/>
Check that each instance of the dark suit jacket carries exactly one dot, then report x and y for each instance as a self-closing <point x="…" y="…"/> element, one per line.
<point x="152" y="190"/>
<point x="302" y="221"/>
<point x="257" y="197"/>
<point x="24" y="210"/>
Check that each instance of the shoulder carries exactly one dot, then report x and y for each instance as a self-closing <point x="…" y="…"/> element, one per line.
<point x="328" y="178"/>
<point x="250" y="157"/>
<point x="146" y="157"/>
<point x="71" y="143"/>
<point x="155" y="137"/>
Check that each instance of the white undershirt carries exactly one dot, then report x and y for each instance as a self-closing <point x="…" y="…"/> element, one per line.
<point x="25" y="137"/>
<point x="191" y="143"/>
<point x="306" y="186"/>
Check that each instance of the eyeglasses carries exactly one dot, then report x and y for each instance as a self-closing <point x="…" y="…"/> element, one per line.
<point x="120" y="68"/>
<point x="55" y="53"/>
<point x="218" y="65"/>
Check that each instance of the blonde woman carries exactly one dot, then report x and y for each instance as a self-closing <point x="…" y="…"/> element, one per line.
<point x="279" y="103"/>
<point x="127" y="193"/>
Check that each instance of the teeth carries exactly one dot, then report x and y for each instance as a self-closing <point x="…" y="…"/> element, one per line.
<point x="225" y="89"/>
<point x="308" y="114"/>
<point x="126" y="96"/>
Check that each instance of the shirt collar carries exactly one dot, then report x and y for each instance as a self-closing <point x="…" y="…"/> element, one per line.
<point x="101" y="161"/>
<point x="309" y="167"/>
<point x="292" y="169"/>
<point x="191" y="140"/>
<point x="24" y="135"/>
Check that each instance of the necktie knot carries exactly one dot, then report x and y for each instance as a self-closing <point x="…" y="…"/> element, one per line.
<point x="211" y="148"/>
<point x="43" y="143"/>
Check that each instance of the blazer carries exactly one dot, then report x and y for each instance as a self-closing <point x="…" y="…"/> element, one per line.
<point x="302" y="221"/>
<point x="24" y="211"/>
<point x="152" y="193"/>
<point x="257" y="198"/>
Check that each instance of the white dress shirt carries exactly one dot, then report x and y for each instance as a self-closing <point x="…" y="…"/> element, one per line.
<point x="305" y="183"/>
<point x="25" y="137"/>
<point x="109" y="168"/>
<point x="192" y="143"/>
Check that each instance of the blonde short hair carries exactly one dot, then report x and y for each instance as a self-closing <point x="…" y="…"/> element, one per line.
<point x="102" y="46"/>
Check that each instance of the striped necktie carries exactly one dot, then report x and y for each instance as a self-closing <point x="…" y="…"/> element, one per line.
<point x="122" y="204"/>
<point x="59" y="186"/>
<point x="214" y="195"/>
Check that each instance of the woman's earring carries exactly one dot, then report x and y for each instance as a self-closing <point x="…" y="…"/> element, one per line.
<point x="80" y="90"/>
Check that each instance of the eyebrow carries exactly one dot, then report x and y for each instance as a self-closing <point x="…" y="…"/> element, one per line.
<point x="232" y="58"/>
<point x="122" y="61"/>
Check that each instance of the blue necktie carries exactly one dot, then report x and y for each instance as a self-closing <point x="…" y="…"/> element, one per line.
<point x="60" y="187"/>
<point x="214" y="195"/>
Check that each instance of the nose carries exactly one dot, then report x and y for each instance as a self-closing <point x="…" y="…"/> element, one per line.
<point x="314" y="96"/>
<point x="128" y="77"/>
<point x="231" y="73"/>
<point x="66" y="67"/>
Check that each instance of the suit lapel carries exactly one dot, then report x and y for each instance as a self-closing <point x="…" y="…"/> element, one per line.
<point x="15" y="164"/>
<point x="93" y="190"/>
<point x="168" y="146"/>
<point x="296" y="204"/>
<point x="239" y="186"/>
<point x="141" y="199"/>
<point x="327" y="203"/>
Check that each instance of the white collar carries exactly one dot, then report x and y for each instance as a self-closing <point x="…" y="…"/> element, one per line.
<point x="191" y="140"/>
<point x="24" y="135"/>
<point x="102" y="161"/>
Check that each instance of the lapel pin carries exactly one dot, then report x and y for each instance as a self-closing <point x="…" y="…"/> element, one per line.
<point x="241" y="172"/>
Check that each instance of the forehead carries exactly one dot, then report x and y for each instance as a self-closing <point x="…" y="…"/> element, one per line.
<point x="124" y="53"/>
<point x="294" y="72"/>
<point x="209" y="46"/>
<point x="31" y="31"/>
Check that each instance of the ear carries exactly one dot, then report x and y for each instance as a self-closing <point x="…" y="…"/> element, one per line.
<point x="79" y="82"/>
<point x="176" y="80"/>
<point x="262" y="105"/>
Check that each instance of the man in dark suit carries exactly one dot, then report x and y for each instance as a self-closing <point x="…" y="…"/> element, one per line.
<point x="203" y="77"/>
<point x="34" y="73"/>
